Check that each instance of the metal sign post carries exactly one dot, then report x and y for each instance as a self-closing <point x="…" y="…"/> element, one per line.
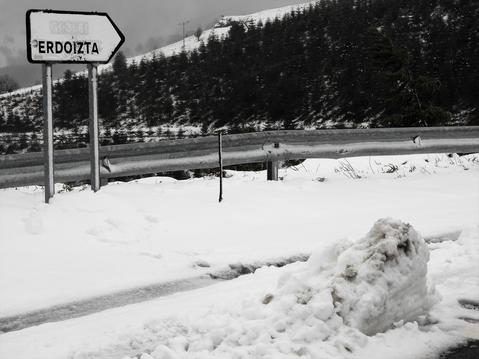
<point x="94" y="146"/>
<point x="48" y="132"/>
<point x="71" y="37"/>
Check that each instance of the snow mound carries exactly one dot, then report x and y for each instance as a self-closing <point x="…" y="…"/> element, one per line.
<point x="322" y="308"/>
<point x="376" y="282"/>
<point x="382" y="279"/>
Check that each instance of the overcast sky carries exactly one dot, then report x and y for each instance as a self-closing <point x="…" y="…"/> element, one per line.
<point x="145" y="23"/>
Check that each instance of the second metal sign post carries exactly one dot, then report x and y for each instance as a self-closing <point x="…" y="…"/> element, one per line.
<point x="94" y="129"/>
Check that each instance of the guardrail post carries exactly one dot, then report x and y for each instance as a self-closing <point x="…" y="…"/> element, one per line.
<point x="272" y="168"/>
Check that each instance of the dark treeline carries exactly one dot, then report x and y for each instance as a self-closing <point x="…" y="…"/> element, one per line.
<point x="338" y="63"/>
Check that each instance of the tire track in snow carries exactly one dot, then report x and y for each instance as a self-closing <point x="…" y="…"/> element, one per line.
<point x="131" y="296"/>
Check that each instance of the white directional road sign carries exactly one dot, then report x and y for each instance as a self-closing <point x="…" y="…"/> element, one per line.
<point x="71" y="37"/>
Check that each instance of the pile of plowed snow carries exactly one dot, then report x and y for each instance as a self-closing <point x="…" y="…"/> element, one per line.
<point x="326" y="308"/>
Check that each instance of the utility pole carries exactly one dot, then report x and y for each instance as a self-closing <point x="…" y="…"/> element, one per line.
<point x="184" y="23"/>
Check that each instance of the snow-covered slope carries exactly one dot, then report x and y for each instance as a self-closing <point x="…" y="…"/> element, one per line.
<point x="191" y="43"/>
<point x="265" y="15"/>
<point x="220" y="30"/>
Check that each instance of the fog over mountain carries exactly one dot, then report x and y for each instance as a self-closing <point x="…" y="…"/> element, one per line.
<point x="147" y="24"/>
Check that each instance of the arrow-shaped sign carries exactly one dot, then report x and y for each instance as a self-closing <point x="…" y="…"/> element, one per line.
<point x="72" y="37"/>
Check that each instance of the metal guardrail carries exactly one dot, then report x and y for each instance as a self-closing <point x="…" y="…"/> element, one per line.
<point x="198" y="153"/>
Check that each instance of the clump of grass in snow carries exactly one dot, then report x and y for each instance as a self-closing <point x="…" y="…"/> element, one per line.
<point x="390" y="168"/>
<point x="347" y="169"/>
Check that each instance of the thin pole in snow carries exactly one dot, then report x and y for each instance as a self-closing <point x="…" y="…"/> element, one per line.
<point x="220" y="150"/>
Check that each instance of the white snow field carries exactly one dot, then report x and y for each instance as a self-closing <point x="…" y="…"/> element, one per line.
<point x="367" y="274"/>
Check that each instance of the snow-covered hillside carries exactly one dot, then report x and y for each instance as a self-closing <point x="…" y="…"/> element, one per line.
<point x="220" y="30"/>
<point x="191" y="43"/>
<point x="265" y="15"/>
<point x="157" y="229"/>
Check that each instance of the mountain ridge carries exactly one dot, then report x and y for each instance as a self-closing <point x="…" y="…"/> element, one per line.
<point x="220" y="29"/>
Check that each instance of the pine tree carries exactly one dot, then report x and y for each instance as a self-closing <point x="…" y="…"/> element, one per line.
<point x="7" y="84"/>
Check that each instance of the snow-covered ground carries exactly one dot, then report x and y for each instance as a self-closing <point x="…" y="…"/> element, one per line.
<point x="158" y="229"/>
